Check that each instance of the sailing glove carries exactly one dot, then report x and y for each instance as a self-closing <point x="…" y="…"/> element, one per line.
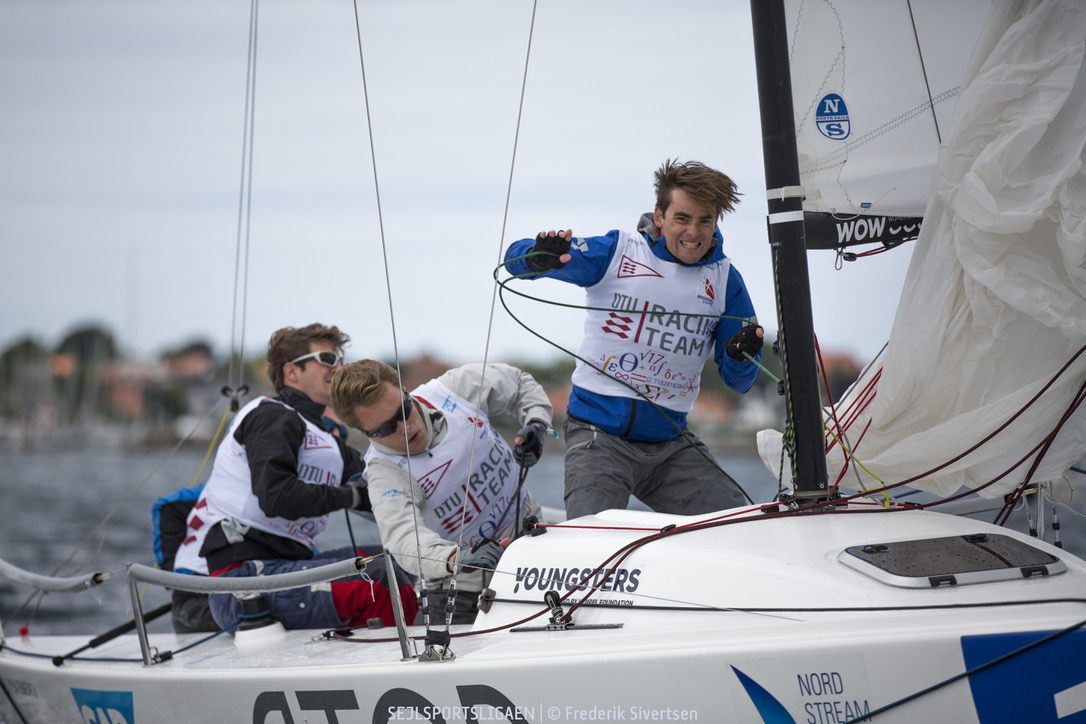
<point x="484" y="554"/>
<point x="527" y="453"/>
<point x="745" y="340"/>
<point x="552" y="248"/>
<point x="360" y="498"/>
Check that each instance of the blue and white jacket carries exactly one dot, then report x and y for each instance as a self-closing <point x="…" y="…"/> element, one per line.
<point x="653" y="321"/>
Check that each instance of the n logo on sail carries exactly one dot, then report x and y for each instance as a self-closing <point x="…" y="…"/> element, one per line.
<point x="832" y="119"/>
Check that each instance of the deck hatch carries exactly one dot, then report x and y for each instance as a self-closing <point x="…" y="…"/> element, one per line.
<point x="953" y="561"/>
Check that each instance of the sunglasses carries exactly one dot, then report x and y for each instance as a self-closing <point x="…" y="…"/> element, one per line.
<point x="326" y="358"/>
<point x="390" y="427"/>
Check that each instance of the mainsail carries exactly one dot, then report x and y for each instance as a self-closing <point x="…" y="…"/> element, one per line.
<point x="873" y="85"/>
<point x="991" y="324"/>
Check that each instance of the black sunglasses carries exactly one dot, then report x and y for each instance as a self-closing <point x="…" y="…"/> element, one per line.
<point x="324" y="357"/>
<point x="390" y="427"/>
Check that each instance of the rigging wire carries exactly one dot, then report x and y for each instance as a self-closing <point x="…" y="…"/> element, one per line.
<point x="235" y="386"/>
<point x="384" y="257"/>
<point x="493" y="297"/>
<point x="245" y="204"/>
<point x="924" y="71"/>
<point x="388" y="285"/>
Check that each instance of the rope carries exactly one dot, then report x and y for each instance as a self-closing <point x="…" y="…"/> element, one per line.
<point x="237" y="339"/>
<point x="618" y="557"/>
<point x="388" y="285"/>
<point x="867" y="396"/>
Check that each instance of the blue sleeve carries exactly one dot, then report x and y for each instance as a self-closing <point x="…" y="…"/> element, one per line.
<point x="590" y="258"/>
<point x="738" y="375"/>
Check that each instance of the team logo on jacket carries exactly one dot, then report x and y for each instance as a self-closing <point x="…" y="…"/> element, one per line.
<point x="710" y="291"/>
<point x="618" y="325"/>
<point x="314" y="441"/>
<point x="449" y="405"/>
<point x="627" y="267"/>
<point x="429" y="481"/>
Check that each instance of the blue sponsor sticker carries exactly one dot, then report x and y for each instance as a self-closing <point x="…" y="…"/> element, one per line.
<point x="388" y="493"/>
<point x="831" y="117"/>
<point x="104" y="707"/>
<point x="771" y="710"/>
<point x="1046" y="672"/>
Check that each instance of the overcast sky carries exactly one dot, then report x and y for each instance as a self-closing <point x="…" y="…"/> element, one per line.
<point x="121" y="142"/>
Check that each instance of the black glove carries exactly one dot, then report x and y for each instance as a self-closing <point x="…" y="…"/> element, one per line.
<point x="745" y="340"/>
<point x="527" y="453"/>
<point x="360" y="499"/>
<point x="484" y="554"/>
<point x="554" y="247"/>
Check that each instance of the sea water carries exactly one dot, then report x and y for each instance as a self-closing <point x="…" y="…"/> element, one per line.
<point x="72" y="511"/>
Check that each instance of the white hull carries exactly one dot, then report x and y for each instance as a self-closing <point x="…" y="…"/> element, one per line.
<point x="807" y="639"/>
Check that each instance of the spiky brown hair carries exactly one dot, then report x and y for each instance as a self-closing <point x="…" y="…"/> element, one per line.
<point x="705" y="185"/>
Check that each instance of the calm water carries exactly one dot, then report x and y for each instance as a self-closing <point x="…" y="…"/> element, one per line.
<point x="93" y="507"/>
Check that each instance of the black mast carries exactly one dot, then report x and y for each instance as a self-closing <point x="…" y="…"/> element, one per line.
<point x="786" y="239"/>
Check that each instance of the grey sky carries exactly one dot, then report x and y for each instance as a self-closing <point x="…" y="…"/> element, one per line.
<point x="121" y="129"/>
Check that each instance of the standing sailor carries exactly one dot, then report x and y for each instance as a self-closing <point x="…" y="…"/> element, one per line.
<point x="660" y="302"/>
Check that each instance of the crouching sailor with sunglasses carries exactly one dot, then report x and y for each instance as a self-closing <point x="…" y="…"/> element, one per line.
<point x="459" y="482"/>
<point x="282" y="468"/>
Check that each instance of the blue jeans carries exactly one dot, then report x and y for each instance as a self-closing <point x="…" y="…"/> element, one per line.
<point x="307" y="607"/>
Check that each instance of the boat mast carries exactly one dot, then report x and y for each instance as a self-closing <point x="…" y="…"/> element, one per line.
<point x="789" y="249"/>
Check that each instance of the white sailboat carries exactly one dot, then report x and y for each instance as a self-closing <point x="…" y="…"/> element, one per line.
<point x="819" y="608"/>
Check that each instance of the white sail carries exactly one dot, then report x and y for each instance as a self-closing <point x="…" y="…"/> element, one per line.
<point x="994" y="305"/>
<point x="872" y="84"/>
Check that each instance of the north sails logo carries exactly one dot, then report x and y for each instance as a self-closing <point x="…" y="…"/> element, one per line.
<point x="832" y="119"/>
<point x="618" y="325"/>
<point x="627" y="267"/>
